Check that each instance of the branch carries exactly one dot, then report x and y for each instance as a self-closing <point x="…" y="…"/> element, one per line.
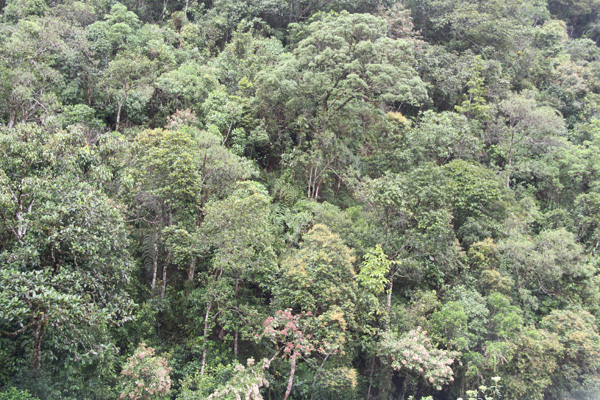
<point x="12" y="229"/>
<point x="15" y="333"/>
<point x="344" y="103"/>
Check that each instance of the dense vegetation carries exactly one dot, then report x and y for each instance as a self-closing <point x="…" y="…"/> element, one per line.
<point x="299" y="199"/>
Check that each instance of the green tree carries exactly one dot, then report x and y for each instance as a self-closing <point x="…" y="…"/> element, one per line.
<point x="440" y="138"/>
<point x="460" y="323"/>
<point x="29" y="77"/>
<point x="171" y="177"/>
<point x="113" y="34"/>
<point x="344" y="63"/>
<point x="549" y="266"/>
<point x="165" y="175"/>
<point x="238" y="230"/>
<point x="187" y="86"/>
<point x="128" y="74"/>
<point x="320" y="276"/>
<point x="414" y="224"/>
<point x="576" y="374"/>
<point x="64" y="262"/>
<point x="320" y="280"/>
<point x="479" y="201"/>
<point x="525" y="131"/>
<point x="373" y="278"/>
<point x="531" y="363"/>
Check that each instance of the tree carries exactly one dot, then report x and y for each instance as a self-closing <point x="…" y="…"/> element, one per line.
<point x="145" y="376"/>
<point x="126" y="75"/>
<point x="64" y="262"/>
<point x="440" y="138"/>
<point x="320" y="281"/>
<point x="479" y="201"/>
<point x="586" y="209"/>
<point x="461" y="322"/>
<point x="187" y="86"/>
<point x="372" y="281"/>
<point x="525" y="131"/>
<point x="238" y="230"/>
<point x="113" y="34"/>
<point x="414" y="223"/>
<point x="165" y="176"/>
<point x="578" y="364"/>
<point x="413" y="352"/>
<point x="373" y="278"/>
<point x="487" y="27"/>
<point x="244" y="57"/>
<point x="247" y="382"/>
<point x="29" y="77"/>
<point x="549" y="265"/>
<point x="320" y="276"/>
<point x="578" y="13"/>
<point x="532" y="359"/>
<point x="293" y="335"/>
<point x="344" y="65"/>
<point x="171" y="176"/>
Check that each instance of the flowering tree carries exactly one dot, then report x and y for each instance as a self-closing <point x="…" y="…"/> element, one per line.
<point x="320" y="282"/>
<point x="245" y="383"/>
<point x="413" y="352"/>
<point x="145" y="376"/>
<point x="290" y="334"/>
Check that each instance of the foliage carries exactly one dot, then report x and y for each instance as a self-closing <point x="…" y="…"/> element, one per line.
<point x="373" y="275"/>
<point x="289" y="331"/>
<point x="145" y="376"/>
<point x="413" y="352"/>
<point x="311" y="183"/>
<point x="15" y="394"/>
<point x="320" y="278"/>
<point x="246" y="382"/>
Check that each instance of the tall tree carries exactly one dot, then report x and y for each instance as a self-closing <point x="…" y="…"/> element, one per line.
<point x="64" y="261"/>
<point x="344" y="65"/>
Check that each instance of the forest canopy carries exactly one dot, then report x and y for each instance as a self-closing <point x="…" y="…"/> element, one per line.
<point x="299" y="199"/>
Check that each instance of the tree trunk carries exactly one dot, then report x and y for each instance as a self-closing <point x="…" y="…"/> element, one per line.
<point x="206" y="318"/>
<point x="164" y="280"/>
<point x="11" y="120"/>
<point x="509" y="161"/>
<point x="310" y="183"/>
<point x="317" y="191"/>
<point x="236" y="335"/>
<point x="168" y="259"/>
<point x="89" y="92"/>
<point x="119" y="115"/>
<point x="291" y="378"/>
<point x="389" y="295"/>
<point x="155" y="259"/>
<point x="314" y="382"/>
<point x="192" y="269"/>
<point x="235" y="343"/>
<point x="38" y="333"/>
<point x="164" y="9"/>
<point x="190" y="276"/>
<point x="371" y="378"/>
